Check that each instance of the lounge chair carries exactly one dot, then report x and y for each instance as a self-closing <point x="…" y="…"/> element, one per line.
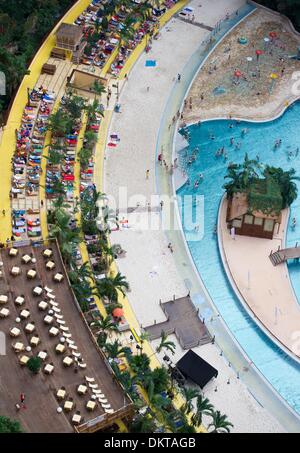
<point x="89" y="379"/>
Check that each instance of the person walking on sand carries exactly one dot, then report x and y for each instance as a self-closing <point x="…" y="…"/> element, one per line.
<point x="3" y="212"/>
<point x="178" y="77"/>
<point x="147" y="174"/>
<point x="22" y="399"/>
<point x="170" y="247"/>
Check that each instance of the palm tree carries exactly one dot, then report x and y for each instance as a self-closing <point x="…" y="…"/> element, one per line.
<point x="143" y="424"/>
<point x="160" y="379"/>
<point x="55" y="155"/>
<point x="85" y="155"/>
<point x="93" y="109"/>
<point x="90" y="203"/>
<point x="109" y="287"/>
<point x="189" y="394"/>
<point x="241" y="175"/>
<point x="60" y="202"/>
<point x="114" y="350"/>
<point x="127" y="31"/>
<point x="98" y="88"/>
<point x="203" y="407"/>
<point x="67" y="238"/>
<point x="285" y="180"/>
<point x="106" y="323"/>
<point x="80" y="274"/>
<point x="156" y="400"/>
<point x="58" y="188"/>
<point x="165" y="344"/>
<point x="219" y="423"/>
<point x="108" y="216"/>
<point x="74" y="105"/>
<point x="90" y="138"/>
<point x="59" y="123"/>
<point x="140" y="365"/>
<point x="144" y="10"/>
<point x="104" y="326"/>
<point x="129" y="383"/>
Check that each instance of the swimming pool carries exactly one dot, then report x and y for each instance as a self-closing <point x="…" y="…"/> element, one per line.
<point x="279" y="369"/>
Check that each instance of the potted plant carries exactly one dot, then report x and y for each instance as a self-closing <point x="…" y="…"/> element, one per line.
<point x="34" y="364"/>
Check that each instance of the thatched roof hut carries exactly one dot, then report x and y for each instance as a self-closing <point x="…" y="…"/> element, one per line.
<point x="68" y="36"/>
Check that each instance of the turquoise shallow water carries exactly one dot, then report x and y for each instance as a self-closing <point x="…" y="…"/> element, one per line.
<point x="281" y="371"/>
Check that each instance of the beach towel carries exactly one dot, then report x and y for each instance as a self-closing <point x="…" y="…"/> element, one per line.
<point x="150" y="63"/>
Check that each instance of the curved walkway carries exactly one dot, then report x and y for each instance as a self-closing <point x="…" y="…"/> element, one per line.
<point x="149" y="265"/>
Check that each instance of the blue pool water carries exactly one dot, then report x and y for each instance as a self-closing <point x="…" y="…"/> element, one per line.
<point x="280" y="370"/>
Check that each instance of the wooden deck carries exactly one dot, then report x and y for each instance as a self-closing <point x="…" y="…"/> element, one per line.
<point x="41" y="414"/>
<point x="283" y="255"/>
<point x="183" y="320"/>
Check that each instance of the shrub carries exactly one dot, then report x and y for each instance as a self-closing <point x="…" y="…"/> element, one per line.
<point x="34" y="364"/>
<point x="8" y="425"/>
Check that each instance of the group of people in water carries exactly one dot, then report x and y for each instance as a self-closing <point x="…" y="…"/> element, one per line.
<point x="188" y="158"/>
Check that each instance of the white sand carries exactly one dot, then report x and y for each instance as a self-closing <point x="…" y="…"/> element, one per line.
<point x="149" y="265"/>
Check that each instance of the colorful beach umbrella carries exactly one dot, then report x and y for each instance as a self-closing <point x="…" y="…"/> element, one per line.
<point x="118" y="313"/>
<point x="273" y="34"/>
<point x="258" y="53"/>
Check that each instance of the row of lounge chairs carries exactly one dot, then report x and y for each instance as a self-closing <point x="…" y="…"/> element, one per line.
<point x="26" y="163"/>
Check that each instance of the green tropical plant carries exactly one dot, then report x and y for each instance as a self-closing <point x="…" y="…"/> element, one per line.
<point x="93" y="109"/>
<point x="34" y="364"/>
<point x="285" y="180"/>
<point x="127" y="31"/>
<point x="189" y="394"/>
<point x="66" y="237"/>
<point x="98" y="88"/>
<point x="143" y="424"/>
<point x="165" y="344"/>
<point x="8" y="425"/>
<point x="103" y="327"/>
<point x="140" y="364"/>
<point x="160" y="379"/>
<point x="115" y="349"/>
<point x="74" y="105"/>
<point x="203" y="407"/>
<point x="60" y="123"/>
<point x="219" y="423"/>
<point x="241" y="175"/>
<point x="109" y="286"/>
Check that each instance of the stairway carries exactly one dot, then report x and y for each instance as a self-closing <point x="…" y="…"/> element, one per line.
<point x="277" y="258"/>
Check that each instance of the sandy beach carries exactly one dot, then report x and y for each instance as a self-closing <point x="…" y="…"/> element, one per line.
<point x="265" y="98"/>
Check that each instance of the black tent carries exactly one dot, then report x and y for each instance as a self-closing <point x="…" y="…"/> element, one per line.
<point x="193" y="367"/>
